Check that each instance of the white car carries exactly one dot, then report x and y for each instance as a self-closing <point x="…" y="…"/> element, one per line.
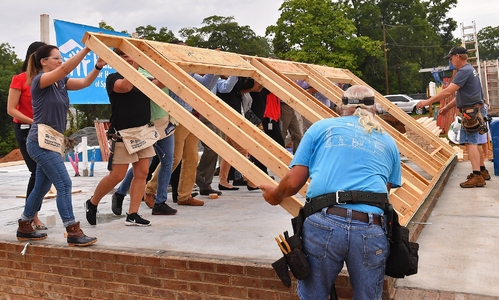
<point x="405" y="103"/>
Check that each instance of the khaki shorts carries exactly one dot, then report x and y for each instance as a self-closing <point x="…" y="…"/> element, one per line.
<point x="122" y="157"/>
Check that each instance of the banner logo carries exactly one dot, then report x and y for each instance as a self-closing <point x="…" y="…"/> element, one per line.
<point x="68" y="40"/>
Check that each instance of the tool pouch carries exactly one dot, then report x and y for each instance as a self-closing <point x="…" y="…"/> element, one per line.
<point x="295" y="260"/>
<point x="403" y="260"/>
<point x="281" y="268"/>
<point x="472" y="120"/>
<point x="298" y="264"/>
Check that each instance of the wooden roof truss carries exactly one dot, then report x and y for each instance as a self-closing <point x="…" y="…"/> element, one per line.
<point x="171" y="65"/>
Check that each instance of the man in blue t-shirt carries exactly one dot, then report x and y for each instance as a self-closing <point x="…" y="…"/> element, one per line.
<point x="466" y="85"/>
<point x="347" y="154"/>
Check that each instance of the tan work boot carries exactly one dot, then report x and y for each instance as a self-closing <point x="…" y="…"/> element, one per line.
<point x="473" y="180"/>
<point x="190" y="201"/>
<point x="485" y="174"/>
<point x="25" y="231"/>
<point x="149" y="200"/>
<point x="76" y="237"/>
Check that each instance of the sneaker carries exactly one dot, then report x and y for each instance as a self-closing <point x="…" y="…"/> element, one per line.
<point x="136" y="220"/>
<point x="117" y="203"/>
<point x="91" y="212"/>
<point x="163" y="209"/>
<point x="190" y="201"/>
<point x="473" y="180"/>
<point x="485" y="174"/>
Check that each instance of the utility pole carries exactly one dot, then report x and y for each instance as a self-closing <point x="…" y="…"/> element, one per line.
<point x="44" y="29"/>
<point x="386" y="60"/>
<point x="399" y="79"/>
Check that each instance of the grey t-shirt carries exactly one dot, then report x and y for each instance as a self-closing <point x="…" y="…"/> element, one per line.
<point x="470" y="91"/>
<point x="50" y="105"/>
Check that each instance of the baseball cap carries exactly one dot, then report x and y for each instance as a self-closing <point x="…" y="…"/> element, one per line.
<point x="456" y="50"/>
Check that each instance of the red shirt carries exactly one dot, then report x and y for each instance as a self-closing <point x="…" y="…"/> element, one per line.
<point x="24" y="105"/>
<point x="272" y="107"/>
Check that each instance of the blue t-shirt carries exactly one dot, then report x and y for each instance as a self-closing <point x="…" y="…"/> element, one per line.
<point x="340" y="155"/>
<point x="50" y="105"/>
<point x="470" y="91"/>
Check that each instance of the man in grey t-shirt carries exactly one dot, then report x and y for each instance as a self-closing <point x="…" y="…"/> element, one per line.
<point x="466" y="85"/>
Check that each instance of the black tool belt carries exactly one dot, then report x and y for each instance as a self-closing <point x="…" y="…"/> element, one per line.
<point x="315" y="204"/>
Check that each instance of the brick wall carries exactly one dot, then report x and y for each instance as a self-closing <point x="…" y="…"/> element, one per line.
<point x="53" y="272"/>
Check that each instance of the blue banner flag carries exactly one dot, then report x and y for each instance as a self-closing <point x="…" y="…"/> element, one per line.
<point x="68" y="39"/>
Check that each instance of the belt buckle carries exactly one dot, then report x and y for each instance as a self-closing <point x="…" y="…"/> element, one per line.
<point x="338" y="198"/>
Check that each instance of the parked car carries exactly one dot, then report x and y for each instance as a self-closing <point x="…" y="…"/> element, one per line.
<point x="405" y="103"/>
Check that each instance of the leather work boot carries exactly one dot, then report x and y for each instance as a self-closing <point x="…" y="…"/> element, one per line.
<point x="485" y="174"/>
<point x="473" y="180"/>
<point x="76" y="237"/>
<point x="25" y="231"/>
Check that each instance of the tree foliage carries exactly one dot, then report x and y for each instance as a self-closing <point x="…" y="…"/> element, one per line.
<point x="317" y="31"/>
<point x="227" y="35"/>
<point x="488" y="46"/>
<point x="350" y="34"/>
<point x="9" y="66"/>
<point x="151" y="33"/>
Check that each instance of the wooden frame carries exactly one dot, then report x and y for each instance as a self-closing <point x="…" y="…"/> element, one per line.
<point x="170" y="64"/>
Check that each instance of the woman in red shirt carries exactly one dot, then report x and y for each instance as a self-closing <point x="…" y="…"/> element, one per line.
<point x="20" y="108"/>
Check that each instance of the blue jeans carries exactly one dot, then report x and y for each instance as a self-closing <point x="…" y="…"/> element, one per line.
<point x="50" y="170"/>
<point x="165" y="171"/>
<point x="331" y="240"/>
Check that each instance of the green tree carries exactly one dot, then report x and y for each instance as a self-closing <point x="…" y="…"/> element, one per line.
<point x="417" y="35"/>
<point x="226" y="34"/>
<point x="488" y="45"/>
<point x="444" y="26"/>
<point x="318" y="32"/>
<point x="150" y="33"/>
<point x="9" y="66"/>
<point x="103" y="25"/>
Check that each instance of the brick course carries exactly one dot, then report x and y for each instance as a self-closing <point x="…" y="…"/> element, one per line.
<point x="51" y="272"/>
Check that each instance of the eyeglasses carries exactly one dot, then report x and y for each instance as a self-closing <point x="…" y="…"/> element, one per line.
<point x="54" y="57"/>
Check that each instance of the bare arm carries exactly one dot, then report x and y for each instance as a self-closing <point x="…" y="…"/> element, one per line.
<point x="12" y="102"/>
<point x="447" y="92"/>
<point x="53" y="76"/>
<point x="448" y="106"/>
<point x="290" y="184"/>
<point x="80" y="83"/>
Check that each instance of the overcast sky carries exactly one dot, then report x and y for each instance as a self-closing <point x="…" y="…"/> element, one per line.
<point x="20" y="19"/>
